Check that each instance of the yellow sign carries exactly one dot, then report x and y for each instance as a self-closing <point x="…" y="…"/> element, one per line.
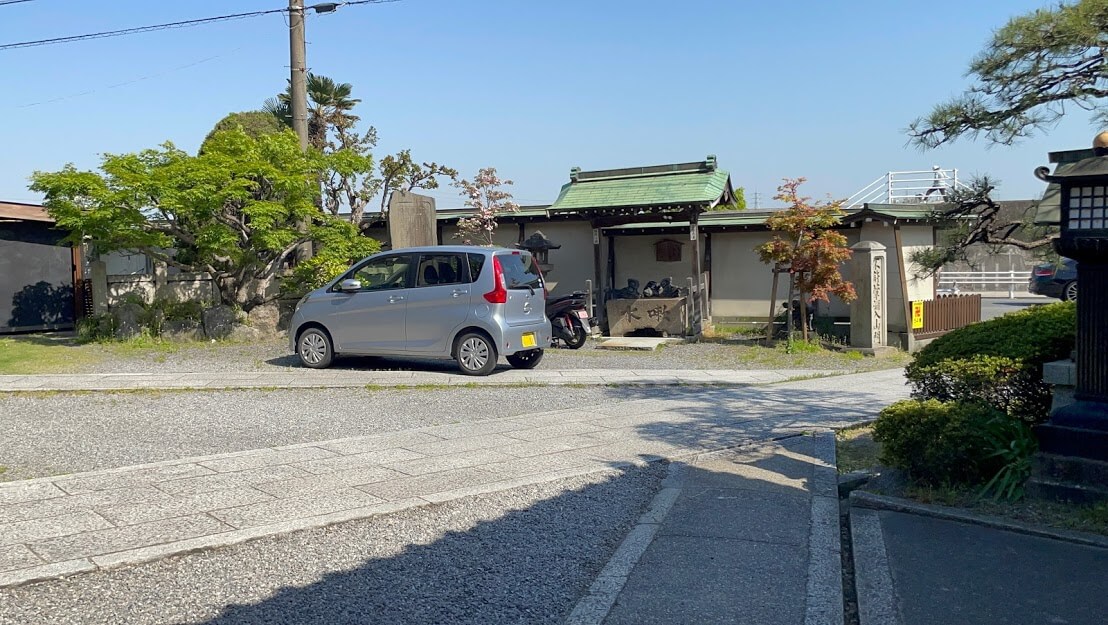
<point x="917" y="315"/>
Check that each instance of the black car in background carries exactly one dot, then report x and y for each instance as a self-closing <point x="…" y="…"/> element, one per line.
<point x="1055" y="280"/>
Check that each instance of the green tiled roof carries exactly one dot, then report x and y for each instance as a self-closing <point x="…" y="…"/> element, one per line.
<point x="665" y="185"/>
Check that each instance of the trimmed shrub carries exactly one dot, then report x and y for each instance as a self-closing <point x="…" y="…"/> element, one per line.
<point x="998" y="361"/>
<point x="937" y="442"/>
<point x="1005" y="383"/>
<point x="1033" y="335"/>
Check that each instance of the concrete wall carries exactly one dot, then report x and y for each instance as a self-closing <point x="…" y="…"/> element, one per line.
<point x="148" y="287"/>
<point x="741" y="282"/>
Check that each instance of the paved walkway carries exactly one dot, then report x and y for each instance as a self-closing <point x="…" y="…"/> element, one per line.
<point x="309" y="378"/>
<point x="916" y="569"/>
<point x="748" y="535"/>
<point x="69" y="524"/>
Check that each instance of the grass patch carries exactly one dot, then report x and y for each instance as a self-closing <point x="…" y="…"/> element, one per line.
<point x="43" y="354"/>
<point x="1082" y="518"/>
<point x="855" y="448"/>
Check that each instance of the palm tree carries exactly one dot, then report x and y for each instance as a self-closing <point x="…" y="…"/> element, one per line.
<point x="329" y="104"/>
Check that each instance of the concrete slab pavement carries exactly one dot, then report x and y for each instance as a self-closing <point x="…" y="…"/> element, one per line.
<point x="102" y="519"/>
<point x="734" y="536"/>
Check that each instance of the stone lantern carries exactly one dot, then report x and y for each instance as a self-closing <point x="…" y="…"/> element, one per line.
<point x="1073" y="459"/>
<point x="540" y="247"/>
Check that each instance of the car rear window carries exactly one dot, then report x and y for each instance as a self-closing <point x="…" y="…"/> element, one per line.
<point x="520" y="271"/>
<point x="476" y="262"/>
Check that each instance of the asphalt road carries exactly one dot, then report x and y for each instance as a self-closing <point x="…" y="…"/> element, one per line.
<point x="992" y="307"/>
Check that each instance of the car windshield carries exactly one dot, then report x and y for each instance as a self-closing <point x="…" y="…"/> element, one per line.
<point x="521" y="271"/>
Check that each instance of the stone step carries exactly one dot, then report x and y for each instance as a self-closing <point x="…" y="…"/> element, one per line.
<point x="1040" y="488"/>
<point x="1071" y="441"/>
<point x="1057" y="468"/>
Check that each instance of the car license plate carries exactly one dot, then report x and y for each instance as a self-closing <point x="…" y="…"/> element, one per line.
<point x="529" y="339"/>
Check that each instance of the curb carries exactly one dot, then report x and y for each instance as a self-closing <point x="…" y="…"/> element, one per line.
<point x="871" y="501"/>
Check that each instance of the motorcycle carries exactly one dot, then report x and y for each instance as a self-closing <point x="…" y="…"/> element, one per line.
<point x="569" y="319"/>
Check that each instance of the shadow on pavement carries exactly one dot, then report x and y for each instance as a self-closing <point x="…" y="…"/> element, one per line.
<point x="716" y="417"/>
<point x="465" y="561"/>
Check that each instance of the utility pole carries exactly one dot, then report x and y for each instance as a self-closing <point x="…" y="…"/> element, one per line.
<point x="299" y="78"/>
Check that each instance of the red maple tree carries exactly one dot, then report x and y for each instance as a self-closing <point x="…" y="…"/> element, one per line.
<point x="805" y="246"/>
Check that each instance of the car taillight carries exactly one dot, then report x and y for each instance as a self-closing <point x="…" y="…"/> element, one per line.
<point x="1044" y="271"/>
<point x="499" y="292"/>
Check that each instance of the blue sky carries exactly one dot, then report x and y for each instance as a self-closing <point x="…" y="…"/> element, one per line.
<point x="796" y="88"/>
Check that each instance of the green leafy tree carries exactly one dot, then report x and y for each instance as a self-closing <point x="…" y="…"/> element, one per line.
<point x="232" y="211"/>
<point x="254" y="123"/>
<point x="807" y="248"/>
<point x="1033" y="67"/>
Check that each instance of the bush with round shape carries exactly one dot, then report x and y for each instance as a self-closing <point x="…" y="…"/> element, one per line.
<point x="1005" y="383"/>
<point x="939" y="443"/>
<point x="998" y="361"/>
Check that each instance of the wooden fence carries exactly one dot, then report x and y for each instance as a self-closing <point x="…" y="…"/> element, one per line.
<point x="948" y="312"/>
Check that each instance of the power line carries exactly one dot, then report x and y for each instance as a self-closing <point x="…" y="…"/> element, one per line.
<point x="167" y="26"/>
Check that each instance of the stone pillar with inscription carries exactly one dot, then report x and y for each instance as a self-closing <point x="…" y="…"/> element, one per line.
<point x="869" y="328"/>
<point x="411" y="220"/>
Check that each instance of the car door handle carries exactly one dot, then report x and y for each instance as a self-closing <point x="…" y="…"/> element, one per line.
<point x="459" y="292"/>
<point x="395" y="298"/>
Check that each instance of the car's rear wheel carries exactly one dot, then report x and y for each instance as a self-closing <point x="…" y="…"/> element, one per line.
<point x="315" y="349"/>
<point x="1069" y="291"/>
<point x="525" y="360"/>
<point x="476" y="355"/>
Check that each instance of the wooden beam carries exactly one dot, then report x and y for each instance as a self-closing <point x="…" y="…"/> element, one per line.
<point x="903" y="280"/>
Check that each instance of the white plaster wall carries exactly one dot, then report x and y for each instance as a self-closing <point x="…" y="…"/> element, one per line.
<point x="741" y="283"/>
<point x="573" y="262"/>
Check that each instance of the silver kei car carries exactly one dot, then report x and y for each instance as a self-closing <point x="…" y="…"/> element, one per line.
<point x="471" y="304"/>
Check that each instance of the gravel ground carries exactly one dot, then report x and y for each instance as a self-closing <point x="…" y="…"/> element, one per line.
<point x="515" y="557"/>
<point x="51" y="433"/>
<point x="274" y="354"/>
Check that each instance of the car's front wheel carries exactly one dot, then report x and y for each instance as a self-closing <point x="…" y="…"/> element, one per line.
<point x="1069" y="292"/>
<point x="525" y="360"/>
<point x="476" y="354"/>
<point x="315" y="349"/>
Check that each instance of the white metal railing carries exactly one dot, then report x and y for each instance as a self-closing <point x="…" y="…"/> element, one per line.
<point x="999" y="280"/>
<point x="908" y="187"/>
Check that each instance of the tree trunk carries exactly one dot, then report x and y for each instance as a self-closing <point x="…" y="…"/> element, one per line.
<point x="789" y="308"/>
<point x="804" y="316"/>
<point x="773" y="302"/>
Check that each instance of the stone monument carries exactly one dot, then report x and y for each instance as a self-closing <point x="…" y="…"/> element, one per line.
<point x="412" y="220"/>
<point x="869" y="327"/>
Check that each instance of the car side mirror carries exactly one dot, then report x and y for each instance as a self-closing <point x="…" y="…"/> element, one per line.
<point x="350" y="285"/>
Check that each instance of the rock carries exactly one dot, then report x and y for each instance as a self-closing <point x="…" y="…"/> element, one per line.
<point x="244" y="333"/>
<point x="265" y="318"/>
<point x="127" y="318"/>
<point x="218" y="322"/>
<point x="182" y="330"/>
